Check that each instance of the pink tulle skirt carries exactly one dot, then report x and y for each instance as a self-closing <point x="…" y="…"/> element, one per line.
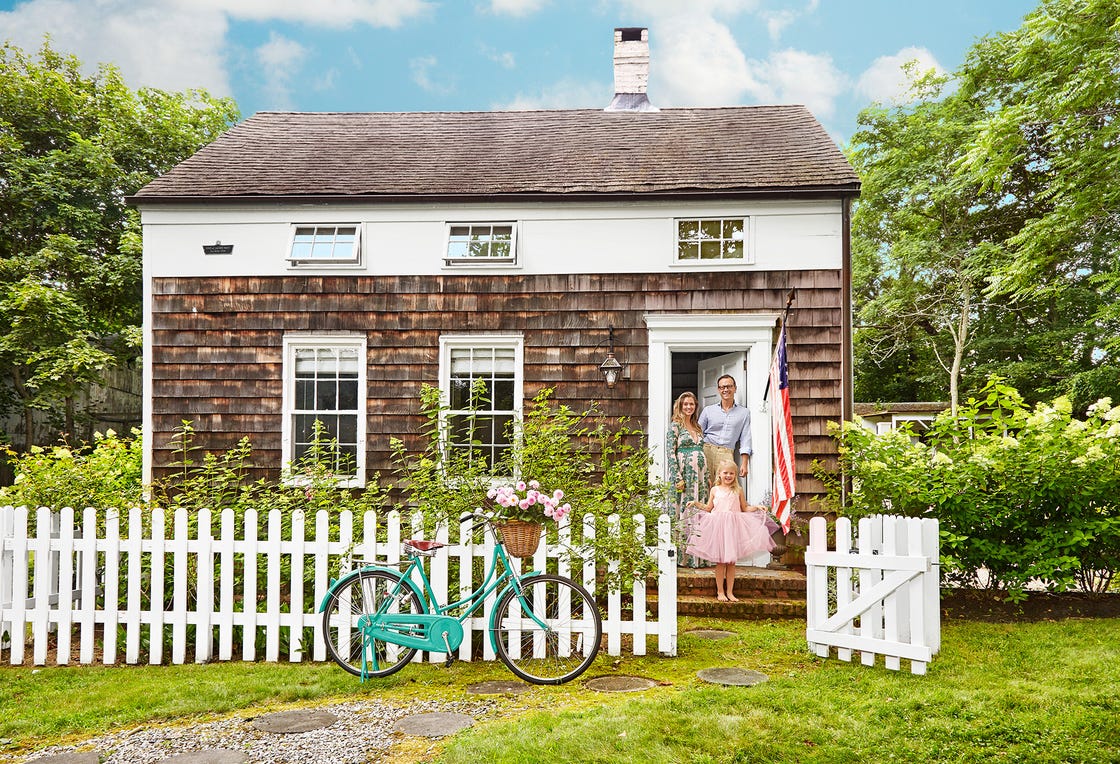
<point x="726" y="536"/>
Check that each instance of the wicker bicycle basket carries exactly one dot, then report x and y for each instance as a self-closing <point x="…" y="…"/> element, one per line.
<point x="521" y="539"/>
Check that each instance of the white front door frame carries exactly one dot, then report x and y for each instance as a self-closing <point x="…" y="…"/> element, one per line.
<point x="713" y="332"/>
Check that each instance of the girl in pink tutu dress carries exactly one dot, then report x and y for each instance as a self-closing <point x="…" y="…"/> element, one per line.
<point x="729" y="530"/>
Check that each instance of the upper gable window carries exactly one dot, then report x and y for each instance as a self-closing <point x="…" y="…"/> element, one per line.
<point x="481" y="244"/>
<point x="711" y="240"/>
<point x="325" y="244"/>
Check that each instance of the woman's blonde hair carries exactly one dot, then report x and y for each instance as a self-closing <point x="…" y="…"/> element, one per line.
<point x="678" y="414"/>
<point x="734" y="468"/>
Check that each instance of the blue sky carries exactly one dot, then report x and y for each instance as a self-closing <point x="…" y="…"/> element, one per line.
<point x="835" y="56"/>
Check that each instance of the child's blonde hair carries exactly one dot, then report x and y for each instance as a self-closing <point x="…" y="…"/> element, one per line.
<point x="728" y="463"/>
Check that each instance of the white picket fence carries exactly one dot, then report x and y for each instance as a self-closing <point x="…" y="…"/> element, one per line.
<point x="84" y="585"/>
<point x="885" y="588"/>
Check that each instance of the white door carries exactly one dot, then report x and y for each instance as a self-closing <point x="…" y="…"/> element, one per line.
<point x="708" y="372"/>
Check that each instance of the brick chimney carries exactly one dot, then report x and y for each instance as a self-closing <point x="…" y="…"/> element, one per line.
<point x="631" y="70"/>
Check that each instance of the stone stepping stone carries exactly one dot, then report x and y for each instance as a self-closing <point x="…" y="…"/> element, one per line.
<point x="437" y="724"/>
<point x="85" y="757"/>
<point x="710" y="633"/>
<point x="209" y="756"/>
<point x="736" y="677"/>
<point x="295" y="721"/>
<point x="621" y="683"/>
<point x="498" y="687"/>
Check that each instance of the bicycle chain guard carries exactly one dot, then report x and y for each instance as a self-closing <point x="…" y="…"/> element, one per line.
<point x="423" y="631"/>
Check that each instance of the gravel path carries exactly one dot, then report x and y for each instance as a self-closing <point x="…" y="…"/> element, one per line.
<point x="363" y="732"/>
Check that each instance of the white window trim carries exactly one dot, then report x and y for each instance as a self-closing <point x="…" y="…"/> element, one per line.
<point x="448" y="342"/>
<point x="301" y="263"/>
<point x="291" y="343"/>
<point x="459" y="263"/>
<point x="748" y="243"/>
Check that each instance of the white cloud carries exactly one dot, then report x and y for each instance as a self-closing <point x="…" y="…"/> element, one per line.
<point x="794" y="76"/>
<point x="886" y="81"/>
<point x="422" y="68"/>
<point x="328" y="13"/>
<point x="516" y="7"/>
<point x="565" y="94"/>
<point x="163" y="44"/>
<point x="180" y="44"/>
<point x="280" y="60"/>
<point x="504" y="59"/>
<point x="697" y="63"/>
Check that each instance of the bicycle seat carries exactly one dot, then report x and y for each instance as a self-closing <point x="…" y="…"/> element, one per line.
<point x="426" y="548"/>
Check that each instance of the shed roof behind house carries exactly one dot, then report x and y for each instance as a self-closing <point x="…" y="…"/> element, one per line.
<point x="747" y="149"/>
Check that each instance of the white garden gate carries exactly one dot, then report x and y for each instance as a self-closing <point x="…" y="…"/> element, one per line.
<point x="878" y="594"/>
<point x="86" y="590"/>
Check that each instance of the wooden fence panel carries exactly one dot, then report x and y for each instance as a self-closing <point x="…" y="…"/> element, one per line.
<point x="192" y="591"/>
<point x="894" y="594"/>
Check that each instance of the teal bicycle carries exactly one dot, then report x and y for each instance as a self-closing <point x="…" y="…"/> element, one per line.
<point x="545" y="627"/>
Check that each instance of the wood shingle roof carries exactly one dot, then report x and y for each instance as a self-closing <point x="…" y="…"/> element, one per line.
<point x="586" y="152"/>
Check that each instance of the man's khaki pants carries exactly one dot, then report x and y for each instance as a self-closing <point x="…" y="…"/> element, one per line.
<point x="713" y="455"/>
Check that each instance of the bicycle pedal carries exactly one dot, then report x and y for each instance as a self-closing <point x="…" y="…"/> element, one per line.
<point x="450" y="655"/>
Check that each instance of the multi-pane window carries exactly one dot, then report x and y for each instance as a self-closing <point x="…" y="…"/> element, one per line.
<point x="483" y="385"/>
<point x="480" y="243"/>
<point x="711" y="239"/>
<point x="324" y="405"/>
<point x="325" y="244"/>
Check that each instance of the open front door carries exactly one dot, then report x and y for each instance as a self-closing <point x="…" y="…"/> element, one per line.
<point x="710" y="370"/>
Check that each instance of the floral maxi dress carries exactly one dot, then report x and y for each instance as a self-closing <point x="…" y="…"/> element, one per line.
<point x="686" y="462"/>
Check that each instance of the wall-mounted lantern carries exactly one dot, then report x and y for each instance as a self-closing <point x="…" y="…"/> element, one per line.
<point x="610" y="367"/>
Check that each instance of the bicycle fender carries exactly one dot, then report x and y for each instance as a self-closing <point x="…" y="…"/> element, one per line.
<point x="337" y="582"/>
<point x="493" y="626"/>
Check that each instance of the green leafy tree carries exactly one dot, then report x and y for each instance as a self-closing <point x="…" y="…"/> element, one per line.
<point x="985" y="239"/>
<point x="72" y="148"/>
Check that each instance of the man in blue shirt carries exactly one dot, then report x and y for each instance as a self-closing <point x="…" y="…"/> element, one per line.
<point x="725" y="424"/>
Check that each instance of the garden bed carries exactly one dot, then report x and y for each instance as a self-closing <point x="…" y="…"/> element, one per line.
<point x="986" y="605"/>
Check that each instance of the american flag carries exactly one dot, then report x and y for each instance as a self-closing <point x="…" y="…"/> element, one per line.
<point x="782" y="424"/>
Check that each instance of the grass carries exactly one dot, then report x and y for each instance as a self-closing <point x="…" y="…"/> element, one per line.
<point x="1024" y="692"/>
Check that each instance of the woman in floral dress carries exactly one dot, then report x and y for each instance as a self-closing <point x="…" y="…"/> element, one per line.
<point x="688" y="473"/>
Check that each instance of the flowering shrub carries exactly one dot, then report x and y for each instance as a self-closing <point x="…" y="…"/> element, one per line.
<point x="526" y="502"/>
<point x="1025" y="495"/>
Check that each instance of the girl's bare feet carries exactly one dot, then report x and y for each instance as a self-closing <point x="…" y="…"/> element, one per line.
<point x="732" y="598"/>
<point x="720" y="597"/>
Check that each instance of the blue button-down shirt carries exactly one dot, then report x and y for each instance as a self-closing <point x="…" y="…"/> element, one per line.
<point x="726" y="428"/>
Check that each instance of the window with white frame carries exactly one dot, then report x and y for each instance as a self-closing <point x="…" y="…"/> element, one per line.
<point x="324" y="405"/>
<point x="481" y="244"/>
<point x="325" y="245"/>
<point x="482" y="377"/>
<point x="711" y="240"/>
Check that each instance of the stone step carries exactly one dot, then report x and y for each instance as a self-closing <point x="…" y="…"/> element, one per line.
<point x="770" y="592"/>
<point x="770" y="582"/>
<point x="746" y="609"/>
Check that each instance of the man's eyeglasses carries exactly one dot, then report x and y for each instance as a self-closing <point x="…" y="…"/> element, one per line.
<point x="726" y="387"/>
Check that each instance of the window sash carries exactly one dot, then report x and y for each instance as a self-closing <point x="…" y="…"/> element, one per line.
<point x="481" y="428"/>
<point x="313" y="244"/>
<point x="324" y="381"/>
<point x="709" y="240"/>
<point x="481" y="242"/>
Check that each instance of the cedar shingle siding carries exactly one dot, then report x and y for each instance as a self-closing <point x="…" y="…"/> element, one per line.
<point x="221" y="366"/>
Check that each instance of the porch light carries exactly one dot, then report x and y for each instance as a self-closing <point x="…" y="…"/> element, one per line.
<point x="610" y="367"/>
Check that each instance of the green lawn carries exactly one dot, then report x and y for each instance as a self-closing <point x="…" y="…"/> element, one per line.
<point x="1026" y="692"/>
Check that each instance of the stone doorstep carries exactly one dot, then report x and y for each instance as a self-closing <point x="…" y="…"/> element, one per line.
<point x="749" y="582"/>
<point x="746" y="609"/>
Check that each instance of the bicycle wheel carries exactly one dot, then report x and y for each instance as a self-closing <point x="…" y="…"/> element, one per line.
<point x="564" y="646"/>
<point x="355" y="596"/>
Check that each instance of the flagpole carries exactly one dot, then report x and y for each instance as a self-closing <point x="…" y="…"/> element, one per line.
<point x="782" y="324"/>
